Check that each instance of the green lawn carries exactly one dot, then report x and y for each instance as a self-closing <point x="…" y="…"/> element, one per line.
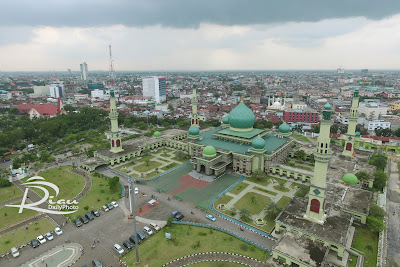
<point x="279" y="180"/>
<point x="301" y="137"/>
<point x="263" y="182"/>
<point x="145" y="157"/>
<point x="70" y="184"/>
<point x="260" y="202"/>
<point x="293" y="185"/>
<point x="222" y="200"/>
<point x="270" y="223"/>
<point x="161" y="150"/>
<point x="283" y="201"/>
<point x="239" y="188"/>
<point x="265" y="191"/>
<point x="13" y="216"/>
<point x="121" y="168"/>
<point x="7" y="193"/>
<point x="216" y="264"/>
<point x="353" y="262"/>
<point x="144" y="168"/>
<point x="152" y="174"/>
<point x="22" y="236"/>
<point x="366" y="237"/>
<point x="282" y="189"/>
<point x="98" y="195"/>
<point x="169" y="166"/>
<point x="157" y="250"/>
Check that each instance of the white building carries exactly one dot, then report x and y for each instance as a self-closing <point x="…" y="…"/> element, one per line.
<point x="299" y="105"/>
<point x="372" y="109"/>
<point x="78" y="97"/>
<point x="97" y="93"/>
<point x="57" y="90"/>
<point x="84" y="71"/>
<point x="372" y="125"/>
<point x="155" y="87"/>
<point x="41" y="91"/>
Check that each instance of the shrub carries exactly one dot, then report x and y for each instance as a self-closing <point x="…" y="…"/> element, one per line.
<point x="7" y="241"/>
<point x="244" y="246"/>
<point x="102" y="191"/>
<point x="202" y="233"/>
<point x="169" y="222"/>
<point x="86" y="207"/>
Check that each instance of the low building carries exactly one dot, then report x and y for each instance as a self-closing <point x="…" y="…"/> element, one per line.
<point x="372" y="125"/>
<point x="372" y="109"/>
<point x="300" y="116"/>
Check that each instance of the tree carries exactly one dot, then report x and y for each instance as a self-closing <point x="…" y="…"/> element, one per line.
<point x="376" y="224"/>
<point x="378" y="160"/>
<point x="170" y="107"/>
<point x="244" y="214"/>
<point x="113" y="182"/>
<point x="272" y="209"/>
<point x="253" y="198"/>
<point x="147" y="161"/>
<point x="301" y="155"/>
<point x="281" y="184"/>
<point x="361" y="175"/>
<point x="259" y="175"/>
<point x="334" y="128"/>
<point x="380" y="179"/>
<point x="169" y="221"/>
<point x="315" y="129"/>
<point x="376" y="211"/>
<point x="387" y="132"/>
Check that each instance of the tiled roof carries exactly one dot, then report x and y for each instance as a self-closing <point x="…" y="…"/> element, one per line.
<point x="46" y="109"/>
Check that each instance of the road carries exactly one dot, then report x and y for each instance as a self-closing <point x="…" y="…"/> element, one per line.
<point x="393" y="209"/>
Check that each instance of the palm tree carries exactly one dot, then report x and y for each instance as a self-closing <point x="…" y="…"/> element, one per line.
<point x="281" y="184"/>
<point x="259" y="175"/>
<point x="244" y="214"/>
<point x="301" y="155"/>
<point x="272" y="209"/>
<point x="147" y="162"/>
<point x="253" y="197"/>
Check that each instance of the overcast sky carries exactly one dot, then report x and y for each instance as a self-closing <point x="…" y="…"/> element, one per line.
<point x="47" y="35"/>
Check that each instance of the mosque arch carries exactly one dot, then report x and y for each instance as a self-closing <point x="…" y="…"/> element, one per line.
<point x="314" y="207"/>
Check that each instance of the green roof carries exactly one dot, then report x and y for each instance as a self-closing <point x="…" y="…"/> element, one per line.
<point x="247" y="135"/>
<point x="156" y="134"/>
<point x="284" y="128"/>
<point x="350" y="178"/>
<point x="241" y="117"/>
<point x="209" y="152"/>
<point x="194" y="130"/>
<point x="272" y="143"/>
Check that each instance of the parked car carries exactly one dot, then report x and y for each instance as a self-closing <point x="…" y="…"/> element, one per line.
<point x="78" y="223"/>
<point x="41" y="239"/>
<point x="109" y="206"/>
<point x="96" y="263"/>
<point x="95" y="212"/>
<point x="127" y="244"/>
<point x="115" y="204"/>
<point x="175" y="213"/>
<point x="155" y="226"/>
<point x="89" y="216"/>
<point x="119" y="249"/>
<point x="210" y="217"/>
<point x="35" y="243"/>
<point x="105" y="208"/>
<point x="58" y="231"/>
<point x="49" y="236"/>
<point x="140" y="236"/>
<point x="136" y="190"/>
<point x="132" y="239"/>
<point x="84" y="220"/>
<point x="14" y="252"/>
<point x="147" y="230"/>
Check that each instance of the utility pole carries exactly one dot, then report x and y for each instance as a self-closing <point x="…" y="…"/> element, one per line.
<point x="134" y="219"/>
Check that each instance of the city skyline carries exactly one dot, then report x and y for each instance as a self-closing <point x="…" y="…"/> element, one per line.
<point x="177" y="35"/>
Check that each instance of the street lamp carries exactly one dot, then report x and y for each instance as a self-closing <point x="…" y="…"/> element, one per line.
<point x="131" y="194"/>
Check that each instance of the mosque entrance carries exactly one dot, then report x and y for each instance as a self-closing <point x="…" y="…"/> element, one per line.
<point x="202" y="169"/>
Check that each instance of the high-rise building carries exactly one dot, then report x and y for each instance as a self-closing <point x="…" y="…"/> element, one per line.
<point x="155" y="87"/>
<point x="84" y="71"/>
<point x="57" y="90"/>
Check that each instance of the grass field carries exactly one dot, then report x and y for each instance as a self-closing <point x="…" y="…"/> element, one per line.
<point x="7" y="193"/>
<point x="282" y="189"/>
<point x="22" y="236"/>
<point x="70" y="184"/>
<point x="279" y="180"/>
<point x="283" y="201"/>
<point x="216" y="264"/>
<point x="260" y="202"/>
<point x="152" y="174"/>
<point x="239" y="188"/>
<point x="222" y="200"/>
<point x="301" y="137"/>
<point x="122" y="167"/>
<point x="144" y="168"/>
<point x="10" y="215"/>
<point x="270" y="223"/>
<point x="265" y="191"/>
<point x="157" y="250"/>
<point x="362" y="239"/>
<point x="98" y="195"/>
<point x="169" y="166"/>
<point x="353" y="262"/>
<point x="263" y="182"/>
<point x="293" y="185"/>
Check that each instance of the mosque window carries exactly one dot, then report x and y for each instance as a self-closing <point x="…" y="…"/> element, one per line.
<point x="112" y="143"/>
<point x="314" y="205"/>
<point x="118" y="143"/>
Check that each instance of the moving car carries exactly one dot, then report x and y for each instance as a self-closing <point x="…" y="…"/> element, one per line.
<point x="96" y="263"/>
<point x="84" y="220"/>
<point x="14" y="252"/>
<point x="105" y="208"/>
<point x="49" y="236"/>
<point x="41" y="239"/>
<point x="155" y="226"/>
<point x="78" y="223"/>
<point x="115" y="204"/>
<point x="34" y="243"/>
<point x="95" y="212"/>
<point x="210" y="217"/>
<point x="147" y="230"/>
<point x="89" y="216"/>
<point x="127" y="244"/>
<point x="136" y="190"/>
<point x="58" y="231"/>
<point x="119" y="249"/>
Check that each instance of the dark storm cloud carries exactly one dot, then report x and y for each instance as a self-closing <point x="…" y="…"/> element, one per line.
<point x="185" y="13"/>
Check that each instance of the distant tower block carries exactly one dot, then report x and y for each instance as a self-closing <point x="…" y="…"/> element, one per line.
<point x="194" y="117"/>
<point x="84" y="71"/>
<point x="351" y="130"/>
<point x="322" y="155"/>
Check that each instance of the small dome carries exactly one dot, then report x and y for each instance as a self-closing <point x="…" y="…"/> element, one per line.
<point x="350" y="178"/>
<point x="194" y="130"/>
<point x="241" y="117"/>
<point x="358" y="134"/>
<point x="284" y="128"/>
<point x="357" y="89"/>
<point x="156" y="134"/>
<point x="258" y="143"/>
<point x="225" y="119"/>
<point x="327" y="106"/>
<point x="209" y="152"/>
<point x="276" y="104"/>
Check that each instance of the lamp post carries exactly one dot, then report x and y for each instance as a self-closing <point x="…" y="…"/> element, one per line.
<point x="134" y="219"/>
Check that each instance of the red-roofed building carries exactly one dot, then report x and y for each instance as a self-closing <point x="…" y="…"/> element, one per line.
<point x="46" y="110"/>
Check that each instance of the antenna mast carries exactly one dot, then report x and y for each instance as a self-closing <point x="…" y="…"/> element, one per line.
<point x="112" y="73"/>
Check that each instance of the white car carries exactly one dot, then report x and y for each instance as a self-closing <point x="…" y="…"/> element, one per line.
<point x="41" y="239"/>
<point x="58" y="231"/>
<point x="155" y="226"/>
<point x="115" y="204"/>
<point x="136" y="190"/>
<point x="148" y="230"/>
<point x="105" y="208"/>
<point x="119" y="249"/>
<point x="49" y="236"/>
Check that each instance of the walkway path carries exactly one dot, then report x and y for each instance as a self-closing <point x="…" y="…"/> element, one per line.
<point x="88" y="183"/>
<point x="11" y="201"/>
<point x="23" y="223"/>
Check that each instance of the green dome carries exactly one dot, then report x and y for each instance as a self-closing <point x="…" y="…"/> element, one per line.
<point x="258" y="143"/>
<point x="156" y="134"/>
<point x="350" y="178"/>
<point x="241" y="117"/>
<point x="358" y="134"/>
<point x="327" y="106"/>
<point x="194" y="130"/>
<point x="225" y="119"/>
<point x="209" y="152"/>
<point x="284" y="128"/>
<point x="357" y="89"/>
